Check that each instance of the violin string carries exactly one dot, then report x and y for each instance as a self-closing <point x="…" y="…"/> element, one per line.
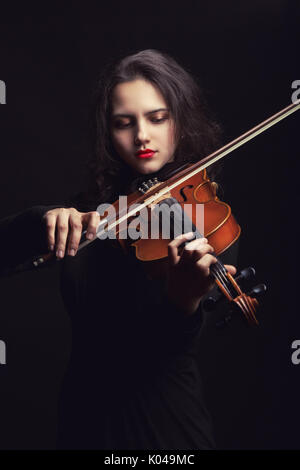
<point x="220" y="269"/>
<point x="216" y="273"/>
<point x="223" y="272"/>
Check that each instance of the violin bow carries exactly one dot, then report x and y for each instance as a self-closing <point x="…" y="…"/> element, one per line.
<point x="163" y="188"/>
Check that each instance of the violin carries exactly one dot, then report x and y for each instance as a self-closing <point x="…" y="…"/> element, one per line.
<point x="219" y="227"/>
<point x="188" y="186"/>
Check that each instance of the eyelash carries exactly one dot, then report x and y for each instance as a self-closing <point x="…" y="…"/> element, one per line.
<point x="160" y="119"/>
<point x="154" y="120"/>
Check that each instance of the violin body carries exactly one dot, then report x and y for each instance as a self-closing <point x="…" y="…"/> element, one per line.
<point x="219" y="225"/>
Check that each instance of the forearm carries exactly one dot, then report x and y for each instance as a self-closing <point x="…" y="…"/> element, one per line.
<point x="22" y="236"/>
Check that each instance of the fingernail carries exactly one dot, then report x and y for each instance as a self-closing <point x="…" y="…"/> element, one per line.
<point x="72" y="252"/>
<point x="51" y="247"/>
<point x="89" y="236"/>
<point x="59" y="254"/>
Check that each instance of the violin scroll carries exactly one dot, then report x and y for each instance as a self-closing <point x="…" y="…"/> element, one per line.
<point x="239" y="301"/>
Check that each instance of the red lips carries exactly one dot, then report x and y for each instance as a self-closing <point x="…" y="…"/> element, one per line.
<point x="147" y="153"/>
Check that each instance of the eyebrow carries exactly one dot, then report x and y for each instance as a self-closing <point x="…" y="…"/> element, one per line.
<point x="145" y="114"/>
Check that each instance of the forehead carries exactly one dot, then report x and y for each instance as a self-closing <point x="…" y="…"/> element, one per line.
<point x="137" y="95"/>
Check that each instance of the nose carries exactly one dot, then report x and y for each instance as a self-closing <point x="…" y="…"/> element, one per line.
<point x="141" y="136"/>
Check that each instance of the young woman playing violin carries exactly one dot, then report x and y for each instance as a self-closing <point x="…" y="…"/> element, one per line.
<point x="133" y="379"/>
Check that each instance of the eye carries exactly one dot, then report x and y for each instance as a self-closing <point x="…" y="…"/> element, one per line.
<point x="158" y="120"/>
<point x="121" y="124"/>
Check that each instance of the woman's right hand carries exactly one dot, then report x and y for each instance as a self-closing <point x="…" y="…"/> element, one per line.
<point x="64" y="229"/>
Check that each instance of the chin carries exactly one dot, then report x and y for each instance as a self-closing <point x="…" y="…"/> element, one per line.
<point x="149" y="167"/>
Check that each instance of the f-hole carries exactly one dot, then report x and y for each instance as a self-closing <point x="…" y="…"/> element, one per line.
<point x="182" y="191"/>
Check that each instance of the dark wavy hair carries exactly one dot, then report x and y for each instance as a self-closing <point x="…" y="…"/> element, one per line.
<point x="196" y="131"/>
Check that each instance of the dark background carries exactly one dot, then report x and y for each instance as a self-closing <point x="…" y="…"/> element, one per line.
<point x="246" y="55"/>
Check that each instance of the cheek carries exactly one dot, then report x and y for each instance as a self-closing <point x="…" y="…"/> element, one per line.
<point x="120" y="141"/>
<point x="171" y="136"/>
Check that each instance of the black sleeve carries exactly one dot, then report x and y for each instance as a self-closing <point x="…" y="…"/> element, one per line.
<point x="22" y="237"/>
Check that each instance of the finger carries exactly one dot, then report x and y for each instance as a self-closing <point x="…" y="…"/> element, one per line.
<point x="62" y="229"/>
<point x="74" y="235"/>
<point x="178" y="242"/>
<point x="231" y="269"/>
<point x="196" y="252"/>
<point x="205" y="263"/>
<point x="189" y="247"/>
<point x="174" y="258"/>
<point x="91" y="220"/>
<point x="173" y="247"/>
<point x="182" y="238"/>
<point x="50" y="223"/>
<point x="195" y="243"/>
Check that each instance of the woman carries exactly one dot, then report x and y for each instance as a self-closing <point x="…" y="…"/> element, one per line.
<point x="133" y="380"/>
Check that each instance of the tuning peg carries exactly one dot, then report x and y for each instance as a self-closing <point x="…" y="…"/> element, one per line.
<point x="210" y="303"/>
<point x="258" y="290"/>
<point x="246" y="274"/>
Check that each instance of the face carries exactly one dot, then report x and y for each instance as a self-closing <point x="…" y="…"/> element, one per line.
<point x="140" y="120"/>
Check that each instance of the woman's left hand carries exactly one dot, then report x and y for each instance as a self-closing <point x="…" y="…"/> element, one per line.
<point x="189" y="278"/>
